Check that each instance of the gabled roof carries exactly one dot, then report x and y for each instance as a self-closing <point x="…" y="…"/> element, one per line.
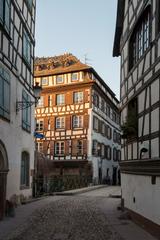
<point x="119" y="27"/>
<point x="58" y="64"/>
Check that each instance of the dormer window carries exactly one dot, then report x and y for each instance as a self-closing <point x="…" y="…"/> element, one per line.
<point x="44" y="81"/>
<point x="139" y="41"/>
<point x="74" y="76"/>
<point x="59" y="79"/>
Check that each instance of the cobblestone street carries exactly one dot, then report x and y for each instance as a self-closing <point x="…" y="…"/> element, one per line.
<point x="88" y="216"/>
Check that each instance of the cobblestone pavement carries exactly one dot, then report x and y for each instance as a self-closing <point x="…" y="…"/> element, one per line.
<point x="71" y="218"/>
<point x="87" y="216"/>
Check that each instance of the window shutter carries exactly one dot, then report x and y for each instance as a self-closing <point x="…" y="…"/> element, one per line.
<point x="99" y="126"/>
<point x="74" y="147"/>
<point x="85" y="146"/>
<point x="68" y="122"/>
<point x="105" y="151"/>
<point x="45" y="145"/>
<point x="69" y="98"/>
<point x="86" y="121"/>
<point x="52" y="147"/>
<point x="53" y="99"/>
<point x="106" y="129"/>
<point x="45" y="124"/>
<point x="52" y="123"/>
<point x="94" y="147"/>
<point x="46" y="101"/>
<point x="67" y="146"/>
<point x="86" y="97"/>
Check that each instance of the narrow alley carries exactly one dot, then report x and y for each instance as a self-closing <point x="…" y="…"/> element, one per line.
<point x="90" y="215"/>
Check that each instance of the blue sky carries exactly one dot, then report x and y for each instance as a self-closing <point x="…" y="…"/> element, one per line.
<point x="80" y="27"/>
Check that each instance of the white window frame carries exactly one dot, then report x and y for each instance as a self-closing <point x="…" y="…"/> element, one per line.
<point x="60" y="122"/>
<point x="77" y="121"/>
<point x="73" y="78"/>
<point x="59" y="148"/>
<point x="59" y="79"/>
<point x="39" y="124"/>
<point x="40" y="102"/>
<point x="44" y="81"/>
<point x="39" y="146"/>
<point x="80" y="147"/>
<point x="78" y="97"/>
<point x="61" y="99"/>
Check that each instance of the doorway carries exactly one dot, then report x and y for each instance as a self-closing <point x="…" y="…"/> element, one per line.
<point x="3" y="178"/>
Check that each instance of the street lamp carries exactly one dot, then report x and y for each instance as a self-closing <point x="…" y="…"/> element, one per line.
<point x="20" y="105"/>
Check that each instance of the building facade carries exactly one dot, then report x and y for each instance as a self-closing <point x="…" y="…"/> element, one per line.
<point x="137" y="41"/>
<point x="78" y="116"/>
<point x="17" y="21"/>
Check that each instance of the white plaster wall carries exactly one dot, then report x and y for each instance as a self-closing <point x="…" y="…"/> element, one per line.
<point x="16" y="141"/>
<point x="146" y="195"/>
<point x="92" y="135"/>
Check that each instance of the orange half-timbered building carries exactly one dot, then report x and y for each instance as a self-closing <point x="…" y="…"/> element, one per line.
<point x="64" y="113"/>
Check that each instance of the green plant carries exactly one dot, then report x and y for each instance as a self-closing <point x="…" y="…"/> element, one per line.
<point x="130" y="127"/>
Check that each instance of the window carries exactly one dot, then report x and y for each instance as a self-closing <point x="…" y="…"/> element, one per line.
<point x="118" y="138"/>
<point x="157" y="16"/>
<point x="39" y="146"/>
<point x="24" y="170"/>
<point x="4" y="93"/>
<point x="5" y="14"/>
<point x="114" y="136"/>
<point x="40" y="102"/>
<point x="29" y="3"/>
<point x="109" y="132"/>
<point x="94" y="147"/>
<point x="102" y="105"/>
<point x="95" y="123"/>
<point x="96" y="100"/>
<point x="26" y="48"/>
<point x="108" y="111"/>
<point x="79" y="147"/>
<point x="59" y="79"/>
<point x="59" y="148"/>
<point x="78" y="97"/>
<point x="103" y="150"/>
<point x="119" y="155"/>
<point x="39" y="124"/>
<point x="114" y="116"/>
<point x="103" y="128"/>
<point x="114" y="154"/>
<point x="108" y="152"/>
<point x="26" y="113"/>
<point x="60" y="99"/>
<point x="74" y="76"/>
<point x="139" y="41"/>
<point x="60" y="123"/>
<point x="44" y="81"/>
<point x="77" y="121"/>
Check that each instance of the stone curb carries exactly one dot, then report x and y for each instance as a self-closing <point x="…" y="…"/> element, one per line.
<point x="79" y="191"/>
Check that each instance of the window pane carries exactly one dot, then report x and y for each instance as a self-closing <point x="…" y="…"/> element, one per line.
<point x="1" y="10"/>
<point x="6" y="96"/>
<point x="7" y="15"/>
<point x="59" y="79"/>
<point x="26" y="48"/>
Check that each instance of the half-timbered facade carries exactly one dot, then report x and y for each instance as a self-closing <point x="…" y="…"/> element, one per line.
<point x="137" y="40"/>
<point x="17" y="21"/>
<point x="78" y="116"/>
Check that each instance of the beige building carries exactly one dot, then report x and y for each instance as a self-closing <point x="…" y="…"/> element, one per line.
<point x="17" y="21"/>
<point x="137" y="41"/>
